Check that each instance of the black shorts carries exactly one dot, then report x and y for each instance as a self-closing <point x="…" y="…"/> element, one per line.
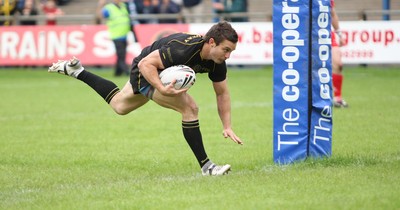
<point x="140" y="84"/>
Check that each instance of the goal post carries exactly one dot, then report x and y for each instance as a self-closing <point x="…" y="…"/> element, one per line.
<point x="302" y="90"/>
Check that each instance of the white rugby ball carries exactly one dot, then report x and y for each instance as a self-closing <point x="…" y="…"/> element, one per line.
<point x="184" y="75"/>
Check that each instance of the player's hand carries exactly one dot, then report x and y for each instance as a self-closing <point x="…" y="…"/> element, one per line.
<point x="229" y="133"/>
<point x="170" y="90"/>
<point x="340" y="37"/>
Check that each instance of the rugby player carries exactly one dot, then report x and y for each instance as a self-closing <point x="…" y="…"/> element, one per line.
<point x="204" y="54"/>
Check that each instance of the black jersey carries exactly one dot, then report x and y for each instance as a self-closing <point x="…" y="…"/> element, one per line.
<point x="184" y="49"/>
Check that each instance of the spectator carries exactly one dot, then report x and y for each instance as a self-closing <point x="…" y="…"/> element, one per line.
<point x="29" y="10"/>
<point x="218" y="8"/>
<point x="132" y="8"/>
<point x="149" y="7"/>
<point x="52" y="11"/>
<point x="7" y="9"/>
<point x="169" y="7"/>
<point x="99" y="12"/>
<point x="119" y="26"/>
<point x="232" y="6"/>
<point x="192" y="7"/>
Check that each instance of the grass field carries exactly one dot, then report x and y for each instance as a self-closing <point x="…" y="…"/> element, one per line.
<point x="62" y="147"/>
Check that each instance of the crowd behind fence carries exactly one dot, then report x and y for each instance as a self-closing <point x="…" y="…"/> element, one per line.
<point x="69" y="19"/>
<point x="370" y="38"/>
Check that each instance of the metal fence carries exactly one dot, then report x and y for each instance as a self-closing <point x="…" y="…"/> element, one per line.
<point x="206" y="18"/>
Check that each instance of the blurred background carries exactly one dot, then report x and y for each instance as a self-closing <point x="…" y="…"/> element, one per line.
<point x="84" y="11"/>
<point x="38" y="32"/>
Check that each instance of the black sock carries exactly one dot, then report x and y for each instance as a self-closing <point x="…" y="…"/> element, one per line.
<point x="103" y="87"/>
<point x="192" y="134"/>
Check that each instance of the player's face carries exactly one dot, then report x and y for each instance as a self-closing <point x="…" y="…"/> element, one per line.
<point x="223" y="51"/>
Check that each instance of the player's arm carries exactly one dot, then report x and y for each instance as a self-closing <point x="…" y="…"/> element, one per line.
<point x="148" y="68"/>
<point x="335" y="25"/>
<point x="335" y="19"/>
<point x="224" y="109"/>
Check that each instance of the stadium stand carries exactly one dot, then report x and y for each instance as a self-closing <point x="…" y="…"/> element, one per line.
<point x="261" y="10"/>
<point x="349" y="9"/>
<point x="83" y="12"/>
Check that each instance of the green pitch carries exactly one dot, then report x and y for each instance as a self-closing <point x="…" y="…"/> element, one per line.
<point x="62" y="147"/>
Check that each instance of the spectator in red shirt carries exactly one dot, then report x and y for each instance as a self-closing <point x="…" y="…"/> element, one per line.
<point x="51" y="10"/>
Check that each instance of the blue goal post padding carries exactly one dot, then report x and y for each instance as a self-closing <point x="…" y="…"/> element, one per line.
<point x="302" y="124"/>
<point x="320" y="140"/>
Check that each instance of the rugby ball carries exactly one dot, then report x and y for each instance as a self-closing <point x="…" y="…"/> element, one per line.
<point x="184" y="75"/>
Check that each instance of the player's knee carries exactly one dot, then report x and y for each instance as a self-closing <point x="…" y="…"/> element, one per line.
<point x="191" y="109"/>
<point x="194" y="109"/>
<point x="120" y="110"/>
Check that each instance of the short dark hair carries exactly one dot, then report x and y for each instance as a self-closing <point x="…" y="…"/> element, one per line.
<point x="220" y="32"/>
